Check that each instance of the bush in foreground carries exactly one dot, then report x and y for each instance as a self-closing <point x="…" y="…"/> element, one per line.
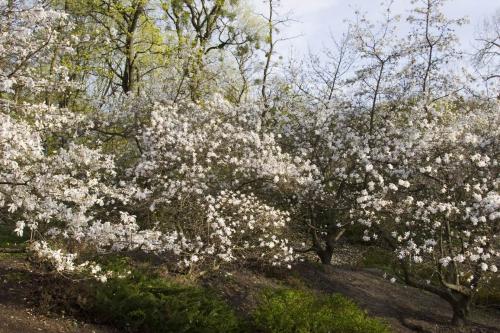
<point x="145" y="304"/>
<point x="283" y="311"/>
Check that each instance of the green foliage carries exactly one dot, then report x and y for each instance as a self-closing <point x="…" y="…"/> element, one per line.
<point x="489" y="295"/>
<point x="376" y="257"/>
<point x="8" y="239"/>
<point x="288" y="311"/>
<point x="142" y="303"/>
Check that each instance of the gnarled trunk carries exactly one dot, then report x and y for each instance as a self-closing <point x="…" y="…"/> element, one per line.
<point x="461" y="308"/>
<point x="325" y="255"/>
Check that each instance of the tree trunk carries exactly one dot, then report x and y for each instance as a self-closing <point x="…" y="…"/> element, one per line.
<point x="325" y="255"/>
<point x="461" y="308"/>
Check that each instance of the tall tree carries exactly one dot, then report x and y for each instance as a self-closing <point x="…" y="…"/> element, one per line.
<point x="434" y="48"/>
<point x="202" y="27"/>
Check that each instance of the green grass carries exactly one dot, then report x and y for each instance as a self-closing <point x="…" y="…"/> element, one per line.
<point x="377" y="257"/>
<point x="293" y="311"/>
<point x="145" y="302"/>
<point x="142" y="303"/>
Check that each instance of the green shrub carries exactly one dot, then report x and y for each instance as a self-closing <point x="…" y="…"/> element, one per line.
<point x="142" y="303"/>
<point x="376" y="257"/>
<point x="292" y="311"/>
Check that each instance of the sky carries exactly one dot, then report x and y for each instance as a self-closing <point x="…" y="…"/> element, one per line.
<point x="316" y="18"/>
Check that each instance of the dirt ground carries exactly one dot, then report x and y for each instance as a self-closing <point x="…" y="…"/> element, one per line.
<point x="17" y="312"/>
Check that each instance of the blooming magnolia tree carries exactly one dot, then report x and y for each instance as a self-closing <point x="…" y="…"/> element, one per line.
<point x="388" y="145"/>
<point x="51" y="183"/>
<point x="433" y="194"/>
<point x="199" y="171"/>
<point x="31" y="38"/>
<point x="198" y="160"/>
<point x="335" y="140"/>
<point x="197" y="210"/>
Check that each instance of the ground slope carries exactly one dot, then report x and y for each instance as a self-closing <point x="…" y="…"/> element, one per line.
<point x="406" y="309"/>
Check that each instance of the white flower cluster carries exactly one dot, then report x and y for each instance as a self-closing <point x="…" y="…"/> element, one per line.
<point x="188" y="181"/>
<point x="29" y="34"/>
<point x="189" y="149"/>
<point x="65" y="262"/>
<point x="242" y="225"/>
<point x="232" y="227"/>
<point x="203" y="181"/>
<point x="446" y="209"/>
<point x="216" y="155"/>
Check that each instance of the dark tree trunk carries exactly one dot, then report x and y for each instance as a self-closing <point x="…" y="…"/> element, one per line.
<point x="325" y="255"/>
<point x="129" y="76"/>
<point x="461" y="309"/>
<point x="325" y="252"/>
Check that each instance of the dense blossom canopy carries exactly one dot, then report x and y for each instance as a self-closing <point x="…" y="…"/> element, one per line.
<point x="400" y="150"/>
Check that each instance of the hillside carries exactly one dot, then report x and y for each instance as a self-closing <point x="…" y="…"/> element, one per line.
<point x="406" y="309"/>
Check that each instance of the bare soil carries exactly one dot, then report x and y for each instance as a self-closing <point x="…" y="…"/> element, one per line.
<point x="18" y="314"/>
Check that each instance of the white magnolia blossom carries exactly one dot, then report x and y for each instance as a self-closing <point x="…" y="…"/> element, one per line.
<point x="450" y="213"/>
<point x="29" y="34"/>
<point x="197" y="163"/>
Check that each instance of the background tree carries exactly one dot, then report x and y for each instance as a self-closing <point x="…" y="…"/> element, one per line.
<point x="487" y="56"/>
<point x="433" y="44"/>
<point x="201" y="29"/>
